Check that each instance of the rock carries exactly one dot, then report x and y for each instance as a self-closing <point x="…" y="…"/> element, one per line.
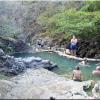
<point x="49" y="65"/>
<point x="3" y="58"/>
<point x="33" y="65"/>
<point x="27" y="86"/>
<point x="87" y="84"/>
<point x="28" y="59"/>
<point x="11" y="65"/>
<point x="5" y="87"/>
<point x="14" y="45"/>
<point x="45" y="61"/>
<point x="96" y="91"/>
<point x="37" y="59"/>
<point x="1" y="53"/>
<point x="53" y="67"/>
<point x="91" y="50"/>
<point x="67" y="51"/>
<point x="20" y="46"/>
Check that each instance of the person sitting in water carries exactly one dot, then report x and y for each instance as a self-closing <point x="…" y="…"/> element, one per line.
<point x="77" y="74"/>
<point x="73" y="46"/>
<point x="96" y="72"/>
<point x="83" y="62"/>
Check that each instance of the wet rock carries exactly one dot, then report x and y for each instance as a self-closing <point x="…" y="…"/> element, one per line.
<point x="3" y="58"/>
<point x="49" y="65"/>
<point x="28" y="59"/>
<point x="17" y="65"/>
<point x="88" y="48"/>
<point x="45" y="61"/>
<point x="37" y="59"/>
<point x="96" y="90"/>
<point x="2" y="52"/>
<point x="54" y="65"/>
<point x="28" y="86"/>
<point x="14" y="66"/>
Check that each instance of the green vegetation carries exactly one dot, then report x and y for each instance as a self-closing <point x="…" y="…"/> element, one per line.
<point x="85" y="23"/>
<point x="91" y="6"/>
<point x="58" y="20"/>
<point x="6" y="49"/>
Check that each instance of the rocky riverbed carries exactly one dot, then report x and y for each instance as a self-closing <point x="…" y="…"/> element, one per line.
<point x="10" y="65"/>
<point x="31" y="81"/>
<point x="42" y="84"/>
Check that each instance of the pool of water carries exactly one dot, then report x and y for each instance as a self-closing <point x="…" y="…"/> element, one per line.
<point x="66" y="65"/>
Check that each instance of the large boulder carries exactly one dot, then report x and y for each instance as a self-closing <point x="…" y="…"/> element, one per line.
<point x="32" y="62"/>
<point x="14" y="66"/>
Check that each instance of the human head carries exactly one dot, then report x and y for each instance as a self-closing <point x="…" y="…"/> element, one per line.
<point x="85" y="59"/>
<point x="52" y="98"/>
<point x="77" y="68"/>
<point x="98" y="68"/>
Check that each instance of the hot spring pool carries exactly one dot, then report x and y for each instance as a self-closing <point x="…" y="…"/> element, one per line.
<point x="66" y="65"/>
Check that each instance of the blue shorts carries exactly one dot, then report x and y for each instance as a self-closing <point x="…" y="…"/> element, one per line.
<point x="73" y="46"/>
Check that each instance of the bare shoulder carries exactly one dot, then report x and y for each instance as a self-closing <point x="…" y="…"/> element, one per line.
<point x="75" y="39"/>
<point x="74" y="71"/>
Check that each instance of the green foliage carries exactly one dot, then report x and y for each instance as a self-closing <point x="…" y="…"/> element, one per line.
<point x="6" y="49"/>
<point x="82" y="23"/>
<point x="91" y="6"/>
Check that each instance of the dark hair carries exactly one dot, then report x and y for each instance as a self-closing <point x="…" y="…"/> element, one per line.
<point x="77" y="68"/>
<point x="52" y="98"/>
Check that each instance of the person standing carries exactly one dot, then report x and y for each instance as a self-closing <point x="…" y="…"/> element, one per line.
<point x="73" y="46"/>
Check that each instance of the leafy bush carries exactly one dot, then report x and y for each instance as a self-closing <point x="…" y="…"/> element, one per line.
<point x="6" y="49"/>
<point x="91" y="6"/>
<point x="83" y="24"/>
